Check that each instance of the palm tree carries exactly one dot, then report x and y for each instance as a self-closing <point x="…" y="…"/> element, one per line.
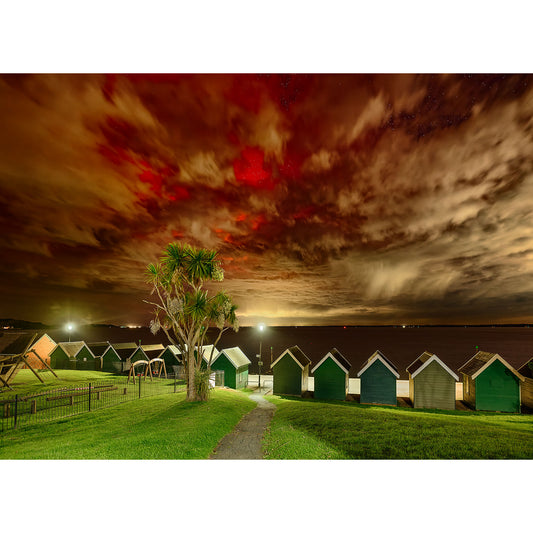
<point x="186" y="309"/>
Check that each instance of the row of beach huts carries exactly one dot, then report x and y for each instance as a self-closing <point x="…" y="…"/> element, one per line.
<point x="490" y="383"/>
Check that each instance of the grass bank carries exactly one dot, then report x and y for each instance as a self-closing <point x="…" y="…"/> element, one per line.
<point x="162" y="427"/>
<point x="25" y="381"/>
<point x="311" y="429"/>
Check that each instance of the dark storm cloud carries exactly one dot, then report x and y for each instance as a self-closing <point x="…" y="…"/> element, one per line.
<point x="331" y="198"/>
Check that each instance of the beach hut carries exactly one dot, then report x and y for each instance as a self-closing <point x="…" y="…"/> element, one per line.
<point x="526" y="388"/>
<point x="40" y="351"/>
<point x="172" y="357"/>
<point x="106" y="357"/>
<point x="431" y="383"/>
<point x="98" y="349"/>
<point x="378" y="377"/>
<point x="72" y="355"/>
<point x="331" y="376"/>
<point x="290" y="372"/>
<point x="490" y="383"/>
<point x="235" y="365"/>
<point x="125" y="350"/>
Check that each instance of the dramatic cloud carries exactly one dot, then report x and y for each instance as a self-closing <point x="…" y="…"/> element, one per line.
<point x="331" y="198"/>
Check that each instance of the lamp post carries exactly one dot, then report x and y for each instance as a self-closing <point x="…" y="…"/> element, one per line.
<point x="260" y="362"/>
<point x="70" y="327"/>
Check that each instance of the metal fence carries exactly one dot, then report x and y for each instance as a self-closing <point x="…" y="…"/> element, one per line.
<point x="19" y="410"/>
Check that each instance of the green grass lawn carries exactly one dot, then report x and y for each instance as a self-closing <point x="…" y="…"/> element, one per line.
<point x="25" y="381"/>
<point x="312" y="429"/>
<point x="161" y="427"/>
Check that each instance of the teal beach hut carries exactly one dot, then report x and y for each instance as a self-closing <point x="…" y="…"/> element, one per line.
<point x="378" y="380"/>
<point x="490" y="383"/>
<point x="331" y="376"/>
<point x="291" y="372"/>
<point x="234" y="363"/>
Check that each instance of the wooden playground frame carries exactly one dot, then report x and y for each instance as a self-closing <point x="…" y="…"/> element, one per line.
<point x="10" y="364"/>
<point x="159" y="369"/>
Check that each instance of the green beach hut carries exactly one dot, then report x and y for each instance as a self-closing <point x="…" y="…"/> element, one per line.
<point x="125" y="350"/>
<point x="235" y="365"/>
<point x="378" y="380"/>
<point x="105" y="356"/>
<point x="526" y="388"/>
<point x="172" y="357"/>
<point x="72" y="355"/>
<point x="98" y="349"/>
<point x="290" y="372"/>
<point x="331" y="376"/>
<point x="431" y="383"/>
<point x="490" y="383"/>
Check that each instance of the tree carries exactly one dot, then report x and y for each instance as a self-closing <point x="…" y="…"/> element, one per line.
<point x="185" y="309"/>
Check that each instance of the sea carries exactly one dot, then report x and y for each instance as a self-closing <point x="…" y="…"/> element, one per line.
<point x="454" y="345"/>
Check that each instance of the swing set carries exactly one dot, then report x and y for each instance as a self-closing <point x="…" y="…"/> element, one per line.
<point x="157" y="363"/>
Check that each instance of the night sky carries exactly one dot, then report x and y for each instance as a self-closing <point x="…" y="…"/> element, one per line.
<point x="332" y="199"/>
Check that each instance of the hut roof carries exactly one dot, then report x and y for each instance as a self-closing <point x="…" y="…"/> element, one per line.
<point x="73" y="348"/>
<point x="15" y="343"/>
<point x="174" y="349"/>
<point x="338" y="358"/>
<point x="527" y="369"/>
<point x="125" y="349"/>
<point x="425" y="360"/>
<point x="301" y="359"/>
<point x="377" y="355"/>
<point x="98" y="348"/>
<point x="153" y="350"/>
<point x="206" y="352"/>
<point x="235" y="356"/>
<point x="481" y="361"/>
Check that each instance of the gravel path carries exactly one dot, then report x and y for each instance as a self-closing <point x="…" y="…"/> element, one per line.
<point x="244" y="442"/>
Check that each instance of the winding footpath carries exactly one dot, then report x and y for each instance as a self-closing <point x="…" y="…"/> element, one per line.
<point x="244" y="442"/>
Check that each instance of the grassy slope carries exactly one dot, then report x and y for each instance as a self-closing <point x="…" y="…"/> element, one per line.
<point x="311" y="429"/>
<point x="163" y="427"/>
<point x="25" y="381"/>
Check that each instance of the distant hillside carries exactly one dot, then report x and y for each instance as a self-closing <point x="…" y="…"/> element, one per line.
<point x="21" y="324"/>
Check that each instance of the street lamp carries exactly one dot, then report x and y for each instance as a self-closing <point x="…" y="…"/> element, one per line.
<point x="260" y="362"/>
<point x="69" y="327"/>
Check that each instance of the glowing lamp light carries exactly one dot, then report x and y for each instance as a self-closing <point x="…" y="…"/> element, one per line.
<point x="69" y="327"/>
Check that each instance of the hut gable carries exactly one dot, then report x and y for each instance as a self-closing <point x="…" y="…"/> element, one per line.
<point x="338" y="358"/>
<point x="299" y="357"/>
<point x="378" y="356"/>
<point x="125" y="349"/>
<point x="526" y="369"/>
<point x="423" y="361"/>
<point x="206" y="353"/>
<point x="72" y="349"/>
<point x="98" y="348"/>
<point x="153" y="350"/>
<point x="235" y="356"/>
<point x="39" y="353"/>
<point x="481" y="361"/>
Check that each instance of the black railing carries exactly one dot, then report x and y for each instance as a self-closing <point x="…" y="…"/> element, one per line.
<point x="20" y="410"/>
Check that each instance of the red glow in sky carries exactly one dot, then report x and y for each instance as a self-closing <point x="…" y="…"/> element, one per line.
<point x="333" y="199"/>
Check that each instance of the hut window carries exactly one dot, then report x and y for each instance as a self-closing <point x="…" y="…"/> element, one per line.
<point x="85" y="358"/>
<point x="467" y="388"/>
